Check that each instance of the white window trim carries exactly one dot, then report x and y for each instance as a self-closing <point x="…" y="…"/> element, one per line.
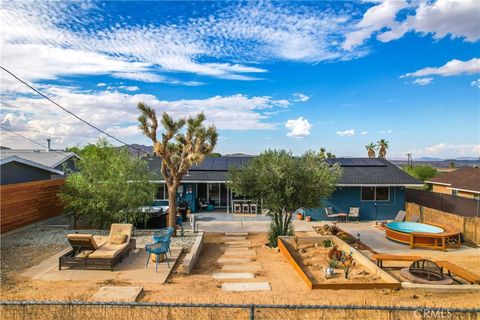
<point x="375" y="195"/>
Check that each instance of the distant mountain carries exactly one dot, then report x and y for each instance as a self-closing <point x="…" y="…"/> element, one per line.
<point x="468" y="158"/>
<point x="427" y="159"/>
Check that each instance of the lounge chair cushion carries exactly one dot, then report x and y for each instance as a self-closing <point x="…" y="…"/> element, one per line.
<point x="100" y="240"/>
<point x="83" y="240"/>
<point x="120" y="228"/>
<point x="119" y="238"/>
<point x="108" y="251"/>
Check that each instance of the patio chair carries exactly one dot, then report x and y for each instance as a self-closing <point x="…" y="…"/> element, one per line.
<point x="354" y="213"/>
<point x="329" y="213"/>
<point x="157" y="249"/>
<point x="163" y="235"/>
<point x="245" y="208"/>
<point x="253" y="208"/>
<point x="237" y="208"/>
<point x="400" y="216"/>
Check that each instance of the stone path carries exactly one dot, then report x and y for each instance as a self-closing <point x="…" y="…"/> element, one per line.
<point x="117" y="294"/>
<point x="238" y="263"/>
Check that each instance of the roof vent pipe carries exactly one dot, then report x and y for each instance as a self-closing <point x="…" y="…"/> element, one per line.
<point x="48" y="145"/>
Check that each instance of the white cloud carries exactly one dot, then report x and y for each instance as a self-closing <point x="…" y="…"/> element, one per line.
<point x="376" y="18"/>
<point x="129" y="88"/>
<point x="364" y="133"/>
<point x="448" y="150"/>
<point x="475" y="83"/>
<point x="346" y="133"/>
<point x="386" y="131"/>
<point x="452" y="68"/>
<point x="301" y="97"/>
<point x="116" y="112"/>
<point x="101" y="84"/>
<point x="457" y="18"/>
<point x="299" y="127"/>
<point x="422" y="81"/>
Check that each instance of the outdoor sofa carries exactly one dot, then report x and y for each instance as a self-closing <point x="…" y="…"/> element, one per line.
<point x="99" y="252"/>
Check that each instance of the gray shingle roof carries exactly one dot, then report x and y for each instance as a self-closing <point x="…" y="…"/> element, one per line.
<point x="356" y="171"/>
<point x="47" y="158"/>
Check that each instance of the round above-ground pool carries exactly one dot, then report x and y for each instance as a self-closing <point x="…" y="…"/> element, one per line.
<point x="400" y="231"/>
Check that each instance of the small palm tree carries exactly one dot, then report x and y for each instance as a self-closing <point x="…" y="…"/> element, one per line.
<point x="382" y="148"/>
<point x="371" y="149"/>
<point x="179" y="149"/>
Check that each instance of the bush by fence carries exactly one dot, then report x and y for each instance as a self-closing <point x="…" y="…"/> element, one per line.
<point x="444" y="202"/>
<point x="20" y="310"/>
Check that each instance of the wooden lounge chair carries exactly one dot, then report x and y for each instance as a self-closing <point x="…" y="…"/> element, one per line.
<point x="380" y="257"/>
<point x="400" y="216"/>
<point x="460" y="272"/>
<point x="86" y="253"/>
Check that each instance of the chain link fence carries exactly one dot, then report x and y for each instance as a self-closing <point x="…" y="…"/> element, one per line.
<point x="20" y="310"/>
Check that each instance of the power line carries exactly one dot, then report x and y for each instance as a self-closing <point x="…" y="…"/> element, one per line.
<point x="18" y="134"/>
<point x="70" y="112"/>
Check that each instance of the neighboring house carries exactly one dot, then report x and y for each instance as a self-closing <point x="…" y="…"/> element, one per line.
<point x="376" y="186"/>
<point x="463" y="182"/>
<point x="34" y="165"/>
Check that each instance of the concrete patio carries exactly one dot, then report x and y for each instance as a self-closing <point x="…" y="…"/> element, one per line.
<point x="131" y="269"/>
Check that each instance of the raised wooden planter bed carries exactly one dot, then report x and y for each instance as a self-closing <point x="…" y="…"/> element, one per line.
<point x="385" y="281"/>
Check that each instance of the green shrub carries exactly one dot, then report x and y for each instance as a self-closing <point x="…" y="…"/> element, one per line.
<point x="327" y="243"/>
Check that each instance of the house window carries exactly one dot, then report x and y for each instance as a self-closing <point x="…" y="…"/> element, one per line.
<point x="375" y="193"/>
<point x="454" y="192"/>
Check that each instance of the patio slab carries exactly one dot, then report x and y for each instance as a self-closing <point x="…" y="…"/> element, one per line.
<point x="236" y="275"/>
<point x="241" y="267"/>
<point x="248" y="286"/>
<point x="240" y="253"/>
<point x="117" y="294"/>
<point x="237" y="243"/>
<point x="227" y="260"/>
<point x="233" y="238"/>
<point x="244" y="234"/>
<point x="131" y="269"/>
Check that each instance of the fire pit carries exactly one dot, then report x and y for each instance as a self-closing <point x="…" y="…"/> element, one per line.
<point x="425" y="272"/>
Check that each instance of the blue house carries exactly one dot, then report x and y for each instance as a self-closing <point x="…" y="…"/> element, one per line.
<point x="376" y="186"/>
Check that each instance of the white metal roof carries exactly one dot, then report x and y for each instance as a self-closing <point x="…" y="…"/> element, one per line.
<point x="50" y="158"/>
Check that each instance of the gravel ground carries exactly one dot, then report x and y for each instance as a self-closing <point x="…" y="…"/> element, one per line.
<point x="26" y="248"/>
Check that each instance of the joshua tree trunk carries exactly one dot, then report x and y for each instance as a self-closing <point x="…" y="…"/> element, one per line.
<point x="172" y="205"/>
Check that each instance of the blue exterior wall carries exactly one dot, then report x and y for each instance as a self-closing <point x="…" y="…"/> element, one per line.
<point x="345" y="197"/>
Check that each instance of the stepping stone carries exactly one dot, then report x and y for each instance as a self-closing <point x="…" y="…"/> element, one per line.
<point x="226" y="275"/>
<point x="236" y="253"/>
<point x="233" y="260"/>
<point x="233" y="238"/>
<point x="238" y="243"/>
<point x="249" y="286"/>
<point x="117" y="294"/>
<point x="236" y="233"/>
<point x="241" y="267"/>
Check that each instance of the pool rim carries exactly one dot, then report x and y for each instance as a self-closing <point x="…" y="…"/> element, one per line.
<point x="405" y="237"/>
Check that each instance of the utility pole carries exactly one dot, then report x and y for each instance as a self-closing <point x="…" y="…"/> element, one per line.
<point x="409" y="160"/>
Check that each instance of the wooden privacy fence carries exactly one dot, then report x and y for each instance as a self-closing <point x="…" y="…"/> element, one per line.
<point x="444" y="202"/>
<point x="469" y="226"/>
<point x="22" y="204"/>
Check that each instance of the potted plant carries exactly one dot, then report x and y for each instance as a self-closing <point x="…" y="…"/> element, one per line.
<point x="300" y="213"/>
<point x="330" y="270"/>
<point x="308" y="218"/>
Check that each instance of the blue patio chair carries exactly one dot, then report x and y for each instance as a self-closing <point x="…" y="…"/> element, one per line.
<point x="157" y="249"/>
<point x="163" y="236"/>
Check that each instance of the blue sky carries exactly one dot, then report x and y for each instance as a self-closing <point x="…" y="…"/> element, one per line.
<point x="296" y="75"/>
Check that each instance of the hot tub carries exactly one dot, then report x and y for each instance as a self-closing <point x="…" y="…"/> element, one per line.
<point x="400" y="231"/>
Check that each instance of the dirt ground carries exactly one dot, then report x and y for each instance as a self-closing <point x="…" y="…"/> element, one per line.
<point x="287" y="286"/>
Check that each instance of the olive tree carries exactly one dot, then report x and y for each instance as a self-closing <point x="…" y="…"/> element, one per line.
<point x="284" y="183"/>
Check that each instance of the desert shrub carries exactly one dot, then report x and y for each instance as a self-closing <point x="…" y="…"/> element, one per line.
<point x="327" y="243"/>
<point x="334" y="230"/>
<point x="281" y="225"/>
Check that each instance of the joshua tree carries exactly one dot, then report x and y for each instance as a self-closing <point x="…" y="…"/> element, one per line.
<point x="371" y="149"/>
<point x="179" y="149"/>
<point x="382" y="148"/>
